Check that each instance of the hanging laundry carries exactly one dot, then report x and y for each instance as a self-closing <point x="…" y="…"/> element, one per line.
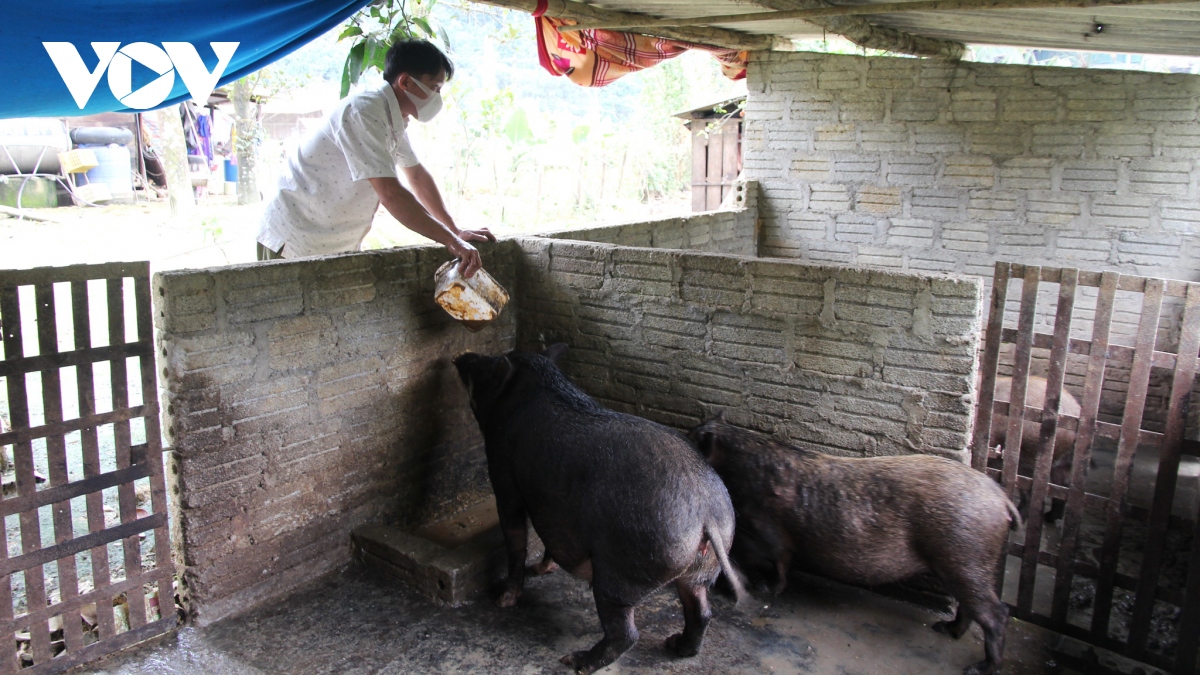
<point x="204" y="133"/>
<point x="595" y="58"/>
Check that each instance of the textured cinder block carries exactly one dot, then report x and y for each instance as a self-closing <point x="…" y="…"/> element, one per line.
<point x="910" y="233"/>
<point x="813" y="168"/>
<point x="884" y="138"/>
<point x="1166" y="103"/>
<point x="1097" y="104"/>
<point x="855" y="227"/>
<point x="829" y="197"/>
<point x="918" y="105"/>
<point x="1026" y="173"/>
<point x="1053" y="208"/>
<point x="1094" y="176"/>
<point x="911" y="170"/>
<point x="998" y="140"/>
<point x="1058" y="140"/>
<point x="878" y="201"/>
<point x="991" y="205"/>
<point x="855" y="168"/>
<point x="971" y="237"/>
<point x="812" y="106"/>
<point x="1180" y="217"/>
<point x="1030" y="104"/>
<point x="938" y="139"/>
<point x="862" y="106"/>
<point x="1161" y="176"/>
<point x="836" y="137"/>
<point x="1127" y="212"/>
<point x="972" y="105"/>
<point x="1124" y="140"/>
<point x="890" y="74"/>
<point x="937" y="203"/>
<point x="969" y="171"/>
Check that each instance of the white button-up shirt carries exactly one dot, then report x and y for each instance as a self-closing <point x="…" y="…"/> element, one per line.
<point x="325" y="203"/>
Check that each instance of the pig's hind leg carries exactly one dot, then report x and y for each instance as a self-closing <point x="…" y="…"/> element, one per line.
<point x="977" y="600"/>
<point x="546" y="566"/>
<point x="696" y="615"/>
<point x="956" y="628"/>
<point x="620" y="634"/>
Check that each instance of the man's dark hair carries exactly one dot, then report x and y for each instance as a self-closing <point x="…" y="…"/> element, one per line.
<point x="415" y="57"/>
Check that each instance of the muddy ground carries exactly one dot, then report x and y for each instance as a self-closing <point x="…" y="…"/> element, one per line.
<point x="361" y="623"/>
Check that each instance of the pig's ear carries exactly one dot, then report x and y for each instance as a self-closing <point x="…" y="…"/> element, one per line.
<point x="554" y="352"/>
<point x="721" y="416"/>
<point x="462" y="363"/>
<point x="503" y="371"/>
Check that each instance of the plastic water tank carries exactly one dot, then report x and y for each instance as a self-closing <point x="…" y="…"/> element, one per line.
<point x="116" y="170"/>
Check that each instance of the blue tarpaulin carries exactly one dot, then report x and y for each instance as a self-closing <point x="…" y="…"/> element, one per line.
<point x="32" y="86"/>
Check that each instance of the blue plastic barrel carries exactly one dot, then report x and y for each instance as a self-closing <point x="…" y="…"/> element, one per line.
<point x="115" y="170"/>
<point x="230" y="171"/>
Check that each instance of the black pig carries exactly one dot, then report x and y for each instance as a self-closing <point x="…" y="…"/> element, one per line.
<point x="618" y="500"/>
<point x="869" y="521"/>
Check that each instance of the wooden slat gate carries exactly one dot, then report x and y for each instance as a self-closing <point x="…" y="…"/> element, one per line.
<point x="716" y="160"/>
<point x="87" y="568"/>
<point x="1122" y="569"/>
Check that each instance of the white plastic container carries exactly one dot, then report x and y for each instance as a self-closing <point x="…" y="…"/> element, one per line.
<point x="475" y="302"/>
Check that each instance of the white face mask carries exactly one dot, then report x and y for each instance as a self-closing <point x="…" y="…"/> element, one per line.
<point x="427" y="107"/>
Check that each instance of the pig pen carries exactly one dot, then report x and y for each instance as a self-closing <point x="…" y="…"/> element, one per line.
<point x="308" y="399"/>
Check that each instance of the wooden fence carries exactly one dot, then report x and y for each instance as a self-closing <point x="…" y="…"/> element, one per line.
<point x="716" y="160"/>
<point x="74" y="584"/>
<point x="1063" y="562"/>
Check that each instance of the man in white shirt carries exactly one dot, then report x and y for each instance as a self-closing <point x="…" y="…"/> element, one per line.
<point x="337" y="177"/>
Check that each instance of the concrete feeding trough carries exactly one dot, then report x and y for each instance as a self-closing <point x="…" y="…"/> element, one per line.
<point x="453" y="560"/>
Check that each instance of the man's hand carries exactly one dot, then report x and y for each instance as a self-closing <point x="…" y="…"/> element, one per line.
<point x="437" y="225"/>
<point x="470" y="262"/>
<point x="482" y="234"/>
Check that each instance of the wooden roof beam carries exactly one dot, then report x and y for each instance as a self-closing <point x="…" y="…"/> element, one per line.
<point x="582" y="13"/>
<point x="864" y="34"/>
<point x="878" y="8"/>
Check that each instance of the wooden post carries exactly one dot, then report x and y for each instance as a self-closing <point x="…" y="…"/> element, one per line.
<point x="174" y="159"/>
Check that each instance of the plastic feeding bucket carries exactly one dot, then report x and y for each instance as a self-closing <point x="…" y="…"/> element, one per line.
<point x="475" y="302"/>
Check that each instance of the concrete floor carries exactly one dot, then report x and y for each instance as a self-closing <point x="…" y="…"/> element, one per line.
<point x="359" y="622"/>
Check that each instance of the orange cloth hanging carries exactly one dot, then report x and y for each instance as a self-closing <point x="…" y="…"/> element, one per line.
<point x="596" y="57"/>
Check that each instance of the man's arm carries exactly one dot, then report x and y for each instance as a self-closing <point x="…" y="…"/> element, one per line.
<point x="411" y="214"/>
<point x="426" y="192"/>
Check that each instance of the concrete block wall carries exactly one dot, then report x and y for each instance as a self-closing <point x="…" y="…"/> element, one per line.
<point x="919" y="165"/>
<point x="848" y="361"/>
<point x="303" y="398"/>
<point x="925" y="166"/>
<point x="732" y="229"/>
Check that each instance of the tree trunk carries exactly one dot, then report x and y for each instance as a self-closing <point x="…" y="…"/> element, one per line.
<point x="246" y="143"/>
<point x="180" y="196"/>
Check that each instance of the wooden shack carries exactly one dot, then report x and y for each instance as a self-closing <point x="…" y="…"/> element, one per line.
<point x="716" y="150"/>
